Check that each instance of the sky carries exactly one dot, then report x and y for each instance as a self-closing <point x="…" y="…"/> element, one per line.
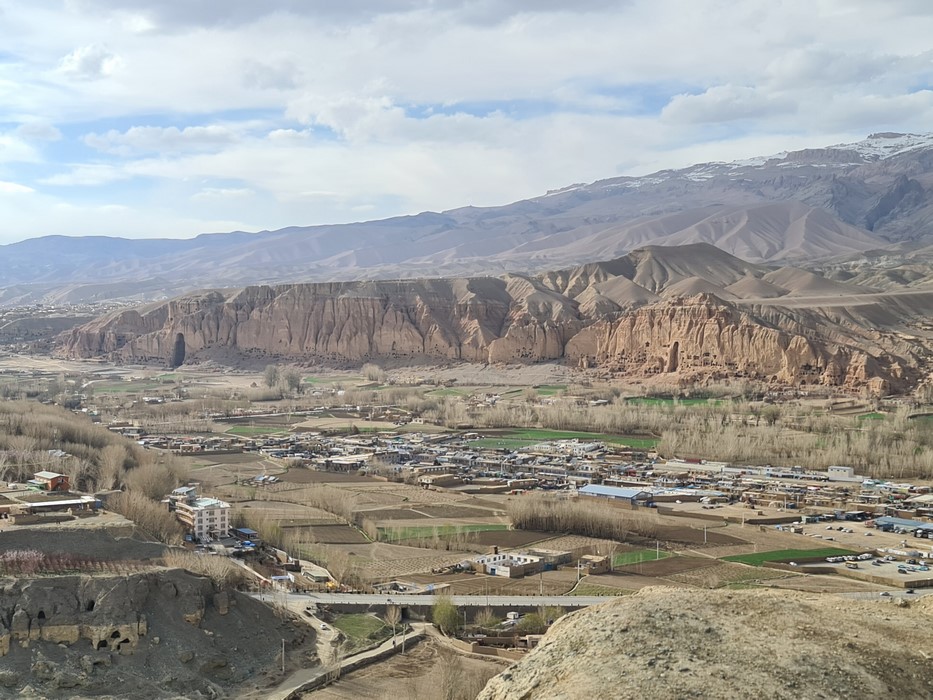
<point x="169" y="118"/>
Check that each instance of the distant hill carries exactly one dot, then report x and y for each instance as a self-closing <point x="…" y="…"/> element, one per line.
<point x="799" y="207"/>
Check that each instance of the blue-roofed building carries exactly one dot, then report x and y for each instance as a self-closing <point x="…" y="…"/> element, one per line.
<point x="634" y="496"/>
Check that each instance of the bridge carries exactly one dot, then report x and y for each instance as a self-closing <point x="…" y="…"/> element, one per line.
<point x="421" y="604"/>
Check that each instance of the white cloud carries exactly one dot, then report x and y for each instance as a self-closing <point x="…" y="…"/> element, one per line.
<point x="38" y="130"/>
<point x="221" y="193"/>
<point x="14" y="188"/>
<point x="13" y="149"/>
<point x="323" y="110"/>
<point x="87" y="175"/>
<point x="153" y="139"/>
<point x="725" y="103"/>
<point x="89" y="63"/>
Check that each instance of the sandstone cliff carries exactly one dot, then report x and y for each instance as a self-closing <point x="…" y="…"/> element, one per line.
<point x="675" y="311"/>
<point x="678" y="643"/>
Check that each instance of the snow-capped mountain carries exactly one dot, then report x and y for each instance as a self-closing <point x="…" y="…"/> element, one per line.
<point x="806" y="205"/>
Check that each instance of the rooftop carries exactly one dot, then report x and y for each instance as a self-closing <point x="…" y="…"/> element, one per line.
<point x="613" y="491"/>
<point x="47" y="475"/>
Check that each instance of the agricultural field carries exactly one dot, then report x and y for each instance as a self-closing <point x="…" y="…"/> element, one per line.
<point x="726" y="575"/>
<point x="254" y="430"/>
<point x="670" y="401"/>
<point x="590" y="589"/>
<point x="782" y="555"/>
<point x="361" y="631"/>
<point x="518" y="438"/>
<point x="446" y="531"/>
<point x="638" y="556"/>
<point x="549" y="389"/>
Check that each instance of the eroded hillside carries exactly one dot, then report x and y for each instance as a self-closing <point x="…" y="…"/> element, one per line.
<point x="679" y="643"/>
<point x="691" y="311"/>
<point x="150" y="634"/>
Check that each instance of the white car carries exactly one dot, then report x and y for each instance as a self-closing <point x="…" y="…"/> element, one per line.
<point x="324" y="626"/>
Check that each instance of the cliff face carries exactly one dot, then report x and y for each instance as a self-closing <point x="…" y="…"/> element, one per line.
<point x="657" y="311"/>
<point x="154" y="634"/>
<point x="476" y="320"/>
<point x="702" y="336"/>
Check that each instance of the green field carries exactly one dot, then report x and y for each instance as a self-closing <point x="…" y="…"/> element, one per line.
<point x="670" y="401"/>
<point x="595" y="589"/>
<point x="254" y="430"/>
<point x="126" y="387"/>
<point x="447" y="392"/>
<point x="787" y="555"/>
<point x="317" y="379"/>
<point x="638" y="556"/>
<point x="362" y="630"/>
<point x="516" y="439"/>
<point x="393" y="534"/>
<point x="872" y="416"/>
<point x="550" y="389"/>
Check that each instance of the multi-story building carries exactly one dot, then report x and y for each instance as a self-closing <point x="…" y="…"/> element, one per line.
<point x="205" y="518"/>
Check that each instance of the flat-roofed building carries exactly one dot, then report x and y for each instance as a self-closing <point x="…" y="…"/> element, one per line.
<point x="205" y="518"/>
<point x="49" y="481"/>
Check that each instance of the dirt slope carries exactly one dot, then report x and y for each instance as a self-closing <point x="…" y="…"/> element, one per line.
<point x="664" y="643"/>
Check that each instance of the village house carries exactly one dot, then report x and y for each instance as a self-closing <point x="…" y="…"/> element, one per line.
<point x="49" y="481"/>
<point x="204" y="518"/>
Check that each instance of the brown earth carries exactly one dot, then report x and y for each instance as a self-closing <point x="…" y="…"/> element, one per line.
<point x="311" y="476"/>
<point x="679" y="643"/>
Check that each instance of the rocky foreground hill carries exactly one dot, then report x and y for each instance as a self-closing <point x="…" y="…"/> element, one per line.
<point x="723" y="645"/>
<point x="691" y="312"/>
<point x="152" y="634"/>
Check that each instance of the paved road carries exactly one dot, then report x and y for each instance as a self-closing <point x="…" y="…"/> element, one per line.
<point x="499" y="601"/>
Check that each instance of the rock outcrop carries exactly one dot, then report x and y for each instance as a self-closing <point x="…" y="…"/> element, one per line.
<point x="653" y="311"/>
<point x="678" y="643"/>
<point x="160" y="633"/>
<point x="702" y="336"/>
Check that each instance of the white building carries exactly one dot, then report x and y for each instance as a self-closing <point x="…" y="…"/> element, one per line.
<point x="205" y="518"/>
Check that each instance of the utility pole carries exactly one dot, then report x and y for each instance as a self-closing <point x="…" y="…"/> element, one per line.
<point x="283" y="656"/>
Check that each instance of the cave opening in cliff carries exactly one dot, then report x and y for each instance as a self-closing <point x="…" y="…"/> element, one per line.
<point x="178" y="353"/>
<point x="674" y="359"/>
<point x="90" y="606"/>
<point x="102" y="644"/>
<point x="41" y="615"/>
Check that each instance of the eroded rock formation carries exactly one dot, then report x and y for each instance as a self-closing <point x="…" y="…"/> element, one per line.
<point x="654" y="311"/>
<point x="153" y="634"/>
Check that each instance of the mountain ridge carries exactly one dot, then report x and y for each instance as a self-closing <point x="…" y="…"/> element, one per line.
<point x="803" y="206"/>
